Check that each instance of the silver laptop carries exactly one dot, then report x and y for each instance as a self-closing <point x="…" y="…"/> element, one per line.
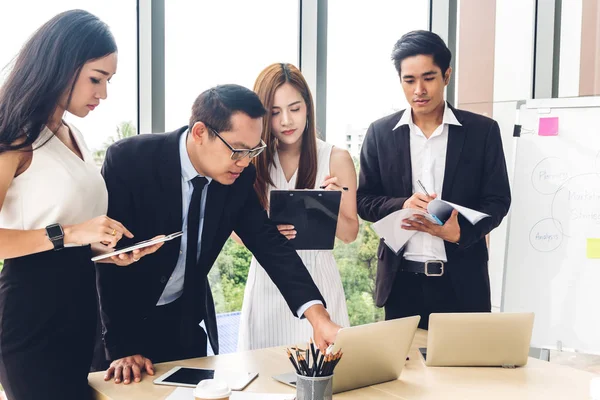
<point x="478" y="339"/>
<point x="373" y="353"/>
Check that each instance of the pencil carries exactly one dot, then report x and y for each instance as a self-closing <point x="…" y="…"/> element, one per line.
<point x="302" y="362"/>
<point x="312" y="347"/>
<point x="320" y="366"/>
<point x="335" y="363"/>
<point x="308" y="359"/>
<point x="291" y="357"/>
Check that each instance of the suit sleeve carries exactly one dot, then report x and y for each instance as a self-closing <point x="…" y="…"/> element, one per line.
<point x="118" y="327"/>
<point x="276" y="255"/>
<point x="372" y="203"/>
<point x="495" y="191"/>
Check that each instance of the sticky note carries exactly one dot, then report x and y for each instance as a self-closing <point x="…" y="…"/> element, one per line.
<point x="548" y="126"/>
<point x="593" y="248"/>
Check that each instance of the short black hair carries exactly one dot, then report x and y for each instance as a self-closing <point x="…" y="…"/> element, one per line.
<point x="215" y="106"/>
<point x="422" y="43"/>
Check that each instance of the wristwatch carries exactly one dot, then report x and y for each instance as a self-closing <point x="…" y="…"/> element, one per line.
<point x="56" y="235"/>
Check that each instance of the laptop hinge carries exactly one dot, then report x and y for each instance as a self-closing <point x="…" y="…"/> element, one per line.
<point x="509" y="366"/>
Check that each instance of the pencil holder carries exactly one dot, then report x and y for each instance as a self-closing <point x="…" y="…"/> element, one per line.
<point x="314" y="388"/>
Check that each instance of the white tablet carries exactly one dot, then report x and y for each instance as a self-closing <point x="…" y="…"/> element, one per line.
<point x="190" y="377"/>
<point x="138" y="245"/>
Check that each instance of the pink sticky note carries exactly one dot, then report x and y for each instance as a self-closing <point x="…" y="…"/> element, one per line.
<point x="548" y="126"/>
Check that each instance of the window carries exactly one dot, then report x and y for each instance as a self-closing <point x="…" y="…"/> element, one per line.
<point x="118" y="114"/>
<point x="362" y="83"/>
<point x="494" y="61"/>
<point x="216" y="42"/>
<point x="579" y="55"/>
<point x="208" y="43"/>
<point x="363" y="86"/>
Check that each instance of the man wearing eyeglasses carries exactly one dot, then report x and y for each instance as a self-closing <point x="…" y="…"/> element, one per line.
<point x="198" y="180"/>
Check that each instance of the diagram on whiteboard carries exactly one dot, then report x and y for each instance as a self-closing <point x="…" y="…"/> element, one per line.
<point x="574" y="208"/>
<point x="552" y="265"/>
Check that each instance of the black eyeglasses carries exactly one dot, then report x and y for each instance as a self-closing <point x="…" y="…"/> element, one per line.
<point x="238" y="154"/>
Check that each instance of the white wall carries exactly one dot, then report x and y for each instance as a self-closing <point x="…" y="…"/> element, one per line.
<point x="513" y="71"/>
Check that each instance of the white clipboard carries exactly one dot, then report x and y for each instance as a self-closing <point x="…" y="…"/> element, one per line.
<point x="138" y="245"/>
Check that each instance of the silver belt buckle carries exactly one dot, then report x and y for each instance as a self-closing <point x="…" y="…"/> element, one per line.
<point x="427" y="273"/>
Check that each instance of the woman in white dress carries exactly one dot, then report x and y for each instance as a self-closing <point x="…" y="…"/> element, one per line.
<point x="53" y="202"/>
<point x="295" y="159"/>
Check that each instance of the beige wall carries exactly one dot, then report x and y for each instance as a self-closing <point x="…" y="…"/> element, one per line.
<point x="476" y="49"/>
<point x="589" y="77"/>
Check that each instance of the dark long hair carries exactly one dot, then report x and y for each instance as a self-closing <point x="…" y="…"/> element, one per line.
<point x="267" y="83"/>
<point x="46" y="68"/>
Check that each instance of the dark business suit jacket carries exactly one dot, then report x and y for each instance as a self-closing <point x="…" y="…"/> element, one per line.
<point x="475" y="177"/>
<point x="143" y="177"/>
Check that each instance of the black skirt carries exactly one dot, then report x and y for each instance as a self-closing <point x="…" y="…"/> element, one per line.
<point x="47" y="324"/>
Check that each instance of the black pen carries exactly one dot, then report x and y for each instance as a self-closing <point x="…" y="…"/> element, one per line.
<point x="343" y="188"/>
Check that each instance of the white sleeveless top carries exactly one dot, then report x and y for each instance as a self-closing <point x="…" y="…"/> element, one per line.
<point x="58" y="187"/>
<point x="266" y="320"/>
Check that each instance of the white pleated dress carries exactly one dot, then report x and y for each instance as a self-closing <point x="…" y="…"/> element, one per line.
<point x="266" y="319"/>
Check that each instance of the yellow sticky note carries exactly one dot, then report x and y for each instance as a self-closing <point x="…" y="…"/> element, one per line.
<point x="593" y="248"/>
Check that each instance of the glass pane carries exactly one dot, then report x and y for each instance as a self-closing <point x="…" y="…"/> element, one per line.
<point x="494" y="61"/>
<point x="216" y="42"/>
<point x="362" y="86"/>
<point x="579" y="59"/>
<point x="119" y="112"/>
<point x="362" y="83"/>
<point x="208" y="43"/>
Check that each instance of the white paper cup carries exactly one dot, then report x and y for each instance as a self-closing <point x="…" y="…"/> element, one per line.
<point x="212" y="389"/>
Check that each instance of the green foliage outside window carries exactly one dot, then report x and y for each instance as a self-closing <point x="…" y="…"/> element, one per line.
<point x="357" y="263"/>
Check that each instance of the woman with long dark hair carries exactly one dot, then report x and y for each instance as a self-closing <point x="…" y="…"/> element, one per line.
<point x="295" y="159"/>
<point x="53" y="202"/>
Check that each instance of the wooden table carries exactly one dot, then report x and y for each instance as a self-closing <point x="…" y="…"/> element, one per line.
<point x="537" y="380"/>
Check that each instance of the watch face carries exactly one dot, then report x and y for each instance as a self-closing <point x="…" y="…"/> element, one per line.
<point x="54" y="231"/>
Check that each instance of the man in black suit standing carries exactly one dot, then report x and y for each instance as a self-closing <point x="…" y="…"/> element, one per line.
<point x="198" y="180"/>
<point x="457" y="156"/>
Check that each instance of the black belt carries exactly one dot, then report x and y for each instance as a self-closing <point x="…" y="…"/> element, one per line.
<point x="429" y="268"/>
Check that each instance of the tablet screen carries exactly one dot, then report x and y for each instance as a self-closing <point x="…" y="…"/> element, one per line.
<point x="139" y="245"/>
<point x="190" y="376"/>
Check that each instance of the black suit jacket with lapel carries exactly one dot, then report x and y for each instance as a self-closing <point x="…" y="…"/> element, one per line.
<point x="143" y="178"/>
<point x="475" y="177"/>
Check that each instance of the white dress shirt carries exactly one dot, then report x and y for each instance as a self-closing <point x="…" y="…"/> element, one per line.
<point x="174" y="288"/>
<point x="428" y="163"/>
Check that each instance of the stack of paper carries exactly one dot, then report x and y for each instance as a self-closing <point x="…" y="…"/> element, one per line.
<point x="390" y="227"/>
<point x="182" y="393"/>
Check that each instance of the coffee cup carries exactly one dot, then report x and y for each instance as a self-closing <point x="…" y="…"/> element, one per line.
<point x="212" y="389"/>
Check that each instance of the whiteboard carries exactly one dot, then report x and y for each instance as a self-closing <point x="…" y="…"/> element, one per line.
<point x="555" y="210"/>
<point x="505" y="113"/>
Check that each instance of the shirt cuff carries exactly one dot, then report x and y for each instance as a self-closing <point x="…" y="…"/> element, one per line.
<point x="306" y="306"/>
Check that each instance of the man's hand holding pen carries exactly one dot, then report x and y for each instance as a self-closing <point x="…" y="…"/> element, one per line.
<point x="419" y="201"/>
<point x="450" y="231"/>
